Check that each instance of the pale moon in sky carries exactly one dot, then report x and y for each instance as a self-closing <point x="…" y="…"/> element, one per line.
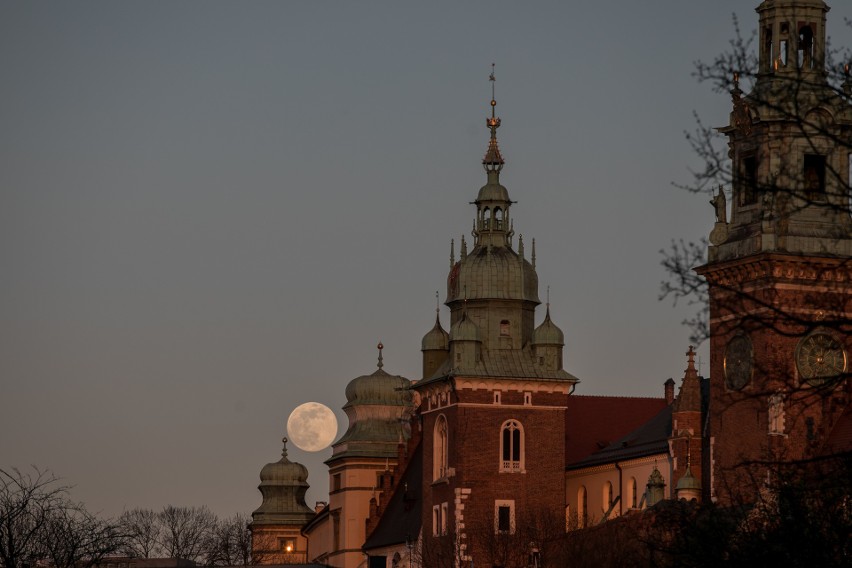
<point x="312" y="426"/>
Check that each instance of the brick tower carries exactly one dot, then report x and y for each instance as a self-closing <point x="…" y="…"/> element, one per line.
<point x="492" y="408"/>
<point x="779" y="271"/>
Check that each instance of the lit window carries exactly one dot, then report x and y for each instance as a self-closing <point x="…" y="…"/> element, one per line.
<point x="512" y="447"/>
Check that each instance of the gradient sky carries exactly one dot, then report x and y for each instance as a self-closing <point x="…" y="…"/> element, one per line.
<point x="211" y="212"/>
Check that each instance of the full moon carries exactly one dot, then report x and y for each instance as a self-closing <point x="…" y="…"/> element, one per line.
<point x="312" y="426"/>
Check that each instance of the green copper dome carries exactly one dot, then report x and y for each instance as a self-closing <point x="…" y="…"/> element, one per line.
<point x="464" y="330"/>
<point x="283" y="485"/>
<point x="548" y="333"/>
<point x="436" y="339"/>
<point x="688" y="481"/>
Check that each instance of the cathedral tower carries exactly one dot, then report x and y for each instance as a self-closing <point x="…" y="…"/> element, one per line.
<point x="779" y="270"/>
<point x="379" y="409"/>
<point x="276" y="525"/>
<point x="493" y="411"/>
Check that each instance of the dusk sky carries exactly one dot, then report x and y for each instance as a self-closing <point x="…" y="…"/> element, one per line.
<point x="211" y="212"/>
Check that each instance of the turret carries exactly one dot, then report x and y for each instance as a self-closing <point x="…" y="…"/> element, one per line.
<point x="548" y="341"/>
<point x="435" y="347"/>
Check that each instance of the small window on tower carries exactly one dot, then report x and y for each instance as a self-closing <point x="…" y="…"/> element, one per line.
<point x="748" y="189"/>
<point x="806" y="47"/>
<point x="504" y="516"/>
<point x="782" y="56"/>
<point x="335" y="485"/>
<point x="767" y="46"/>
<point x="814" y="177"/>
<point x="504" y="328"/>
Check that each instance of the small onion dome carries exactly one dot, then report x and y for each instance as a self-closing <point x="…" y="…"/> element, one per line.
<point x="548" y="333"/>
<point x="436" y="339"/>
<point x="283" y="472"/>
<point x="688" y="482"/>
<point x="464" y="330"/>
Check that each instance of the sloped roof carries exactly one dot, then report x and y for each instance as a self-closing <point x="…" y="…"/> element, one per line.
<point x="648" y="439"/>
<point x="401" y="518"/>
<point x="593" y="422"/>
<point x="501" y="363"/>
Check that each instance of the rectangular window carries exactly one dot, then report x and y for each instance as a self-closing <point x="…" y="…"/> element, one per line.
<point x="335" y="530"/>
<point x="814" y="177"/>
<point x="504" y="516"/>
<point x="436" y="520"/>
<point x="496" y="397"/>
<point x="527" y="398"/>
<point x="335" y="484"/>
<point x="748" y="191"/>
<point x="444" y="507"/>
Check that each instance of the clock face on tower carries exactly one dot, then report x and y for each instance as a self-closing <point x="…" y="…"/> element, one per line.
<point x="738" y="362"/>
<point x="820" y="357"/>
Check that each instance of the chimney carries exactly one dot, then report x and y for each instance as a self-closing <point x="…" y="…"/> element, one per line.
<point x="669" y="390"/>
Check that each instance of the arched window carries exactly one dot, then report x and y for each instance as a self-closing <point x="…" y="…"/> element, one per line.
<point x="439" y="454"/>
<point x="582" y="507"/>
<point x="498" y="218"/>
<point x="607" y="496"/>
<point x="486" y="218"/>
<point x="512" y="446"/>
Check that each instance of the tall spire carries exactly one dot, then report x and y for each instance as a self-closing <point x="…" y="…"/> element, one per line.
<point x="493" y="160"/>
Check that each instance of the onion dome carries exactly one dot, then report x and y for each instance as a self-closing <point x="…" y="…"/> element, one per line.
<point x="688" y="482"/>
<point x="283" y="485"/>
<point x="378" y="388"/>
<point x="464" y="330"/>
<point x="548" y="333"/>
<point x="378" y="407"/>
<point x="436" y="339"/>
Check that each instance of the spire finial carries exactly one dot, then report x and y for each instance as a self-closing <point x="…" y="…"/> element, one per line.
<point x="548" y="297"/>
<point x="380" y="347"/>
<point x="437" y="303"/>
<point x="452" y="252"/>
<point x="284" y="451"/>
<point x="533" y="253"/>
<point x="690" y="356"/>
<point x="493" y="160"/>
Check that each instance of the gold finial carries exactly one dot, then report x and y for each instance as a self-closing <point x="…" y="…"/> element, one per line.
<point x="380" y="347"/>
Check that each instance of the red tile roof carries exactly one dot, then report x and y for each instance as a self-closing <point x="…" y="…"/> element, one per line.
<point x="593" y="422"/>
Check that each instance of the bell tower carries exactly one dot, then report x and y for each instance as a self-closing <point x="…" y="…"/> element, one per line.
<point x="779" y="270"/>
